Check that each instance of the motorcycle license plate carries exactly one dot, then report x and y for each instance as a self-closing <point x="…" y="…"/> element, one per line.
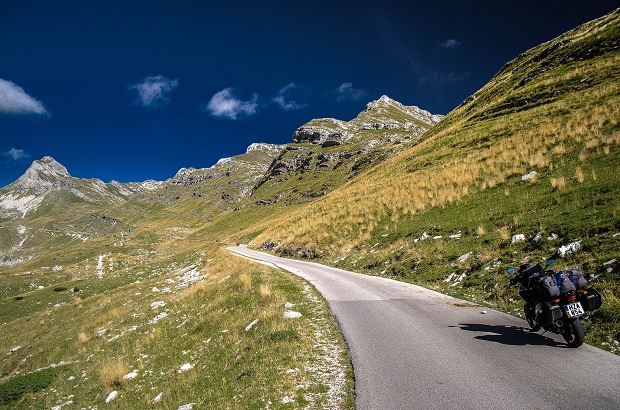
<point x="574" y="310"/>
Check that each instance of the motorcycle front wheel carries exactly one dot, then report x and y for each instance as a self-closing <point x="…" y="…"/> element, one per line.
<point x="573" y="333"/>
<point x="530" y="316"/>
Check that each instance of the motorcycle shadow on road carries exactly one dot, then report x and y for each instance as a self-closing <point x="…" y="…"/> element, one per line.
<point x="509" y="335"/>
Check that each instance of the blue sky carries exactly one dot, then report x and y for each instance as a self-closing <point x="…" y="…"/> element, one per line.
<point x="136" y="90"/>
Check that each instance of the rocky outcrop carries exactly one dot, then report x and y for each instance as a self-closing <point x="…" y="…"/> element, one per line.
<point x="382" y="114"/>
<point x="323" y="130"/>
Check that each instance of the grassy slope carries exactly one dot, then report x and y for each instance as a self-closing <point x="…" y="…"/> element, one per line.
<point x="465" y="177"/>
<point x="278" y="363"/>
<point x="53" y="306"/>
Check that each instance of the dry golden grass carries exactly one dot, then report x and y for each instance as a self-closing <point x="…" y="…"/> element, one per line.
<point x="504" y="232"/>
<point x="108" y="316"/>
<point x="83" y="338"/>
<point x="111" y="373"/>
<point x="580" y="175"/>
<point x="404" y="186"/>
<point x="246" y="282"/>
<point x="558" y="184"/>
<point x="265" y="291"/>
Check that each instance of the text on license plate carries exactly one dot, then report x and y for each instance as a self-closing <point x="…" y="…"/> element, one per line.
<point x="574" y="310"/>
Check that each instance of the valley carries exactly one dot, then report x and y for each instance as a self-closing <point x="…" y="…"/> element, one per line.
<point x="128" y="287"/>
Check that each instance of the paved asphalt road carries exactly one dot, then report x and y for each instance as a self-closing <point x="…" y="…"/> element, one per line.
<point x="413" y="348"/>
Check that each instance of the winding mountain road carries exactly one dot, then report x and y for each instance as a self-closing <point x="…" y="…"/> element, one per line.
<point x="413" y="348"/>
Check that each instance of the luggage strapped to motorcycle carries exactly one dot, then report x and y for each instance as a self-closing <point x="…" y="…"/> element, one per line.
<point x="558" y="279"/>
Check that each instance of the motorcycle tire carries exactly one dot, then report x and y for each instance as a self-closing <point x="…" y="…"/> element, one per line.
<point x="573" y="333"/>
<point x="530" y="316"/>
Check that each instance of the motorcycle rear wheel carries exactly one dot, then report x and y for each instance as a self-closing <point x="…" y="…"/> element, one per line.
<point x="573" y="333"/>
<point x="530" y="316"/>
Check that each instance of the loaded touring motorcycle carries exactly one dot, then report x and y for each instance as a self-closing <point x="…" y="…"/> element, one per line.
<point x="556" y="301"/>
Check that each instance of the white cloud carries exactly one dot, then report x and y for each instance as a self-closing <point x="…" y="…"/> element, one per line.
<point x="225" y="104"/>
<point x="346" y="92"/>
<point x="450" y="43"/>
<point x="153" y="91"/>
<point x="284" y="98"/>
<point x="14" y="100"/>
<point x="16" y="154"/>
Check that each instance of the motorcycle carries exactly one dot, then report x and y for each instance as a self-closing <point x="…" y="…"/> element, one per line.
<point x="556" y="301"/>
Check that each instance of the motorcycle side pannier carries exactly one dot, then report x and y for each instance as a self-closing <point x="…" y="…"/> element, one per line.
<point x="590" y="299"/>
<point x="580" y="280"/>
<point x="547" y="288"/>
<point x="549" y="312"/>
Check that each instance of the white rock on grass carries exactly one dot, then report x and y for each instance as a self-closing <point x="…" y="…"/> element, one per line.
<point x="158" y="317"/>
<point x="288" y="305"/>
<point x="463" y="258"/>
<point x="188" y="406"/>
<point x="186" y="367"/>
<point x="518" y="238"/>
<point x="251" y="325"/>
<point x="111" y="396"/>
<point x="291" y="314"/>
<point x="529" y="176"/>
<point x="157" y="398"/>
<point x="158" y="304"/>
<point x="131" y="376"/>
<point x="570" y="248"/>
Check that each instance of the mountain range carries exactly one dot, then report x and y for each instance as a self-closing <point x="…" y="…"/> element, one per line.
<point x="524" y="170"/>
<point x="263" y="175"/>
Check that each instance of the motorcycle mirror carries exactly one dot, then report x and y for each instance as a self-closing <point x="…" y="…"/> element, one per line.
<point x="550" y="262"/>
<point x="511" y="271"/>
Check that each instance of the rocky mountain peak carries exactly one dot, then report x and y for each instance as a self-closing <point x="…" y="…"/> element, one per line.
<point x="43" y="174"/>
<point x="394" y="114"/>
<point x="48" y="166"/>
<point x="384" y="101"/>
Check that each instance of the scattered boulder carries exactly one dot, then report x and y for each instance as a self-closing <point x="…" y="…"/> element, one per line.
<point x="113" y="395"/>
<point x="568" y="249"/>
<point x="291" y="314"/>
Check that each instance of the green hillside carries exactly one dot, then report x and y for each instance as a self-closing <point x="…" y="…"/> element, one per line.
<point x="554" y="110"/>
<point x="128" y="288"/>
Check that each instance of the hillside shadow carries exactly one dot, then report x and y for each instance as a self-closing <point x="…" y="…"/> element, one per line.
<point x="509" y="335"/>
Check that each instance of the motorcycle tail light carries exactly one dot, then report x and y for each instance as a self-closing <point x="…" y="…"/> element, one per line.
<point x="572" y="298"/>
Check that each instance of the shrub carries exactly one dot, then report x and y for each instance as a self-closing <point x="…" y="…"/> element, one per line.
<point x="16" y="387"/>
<point x="60" y="289"/>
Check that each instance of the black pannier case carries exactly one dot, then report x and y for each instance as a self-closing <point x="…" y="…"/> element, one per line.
<point x="590" y="299"/>
<point x="550" y="312"/>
